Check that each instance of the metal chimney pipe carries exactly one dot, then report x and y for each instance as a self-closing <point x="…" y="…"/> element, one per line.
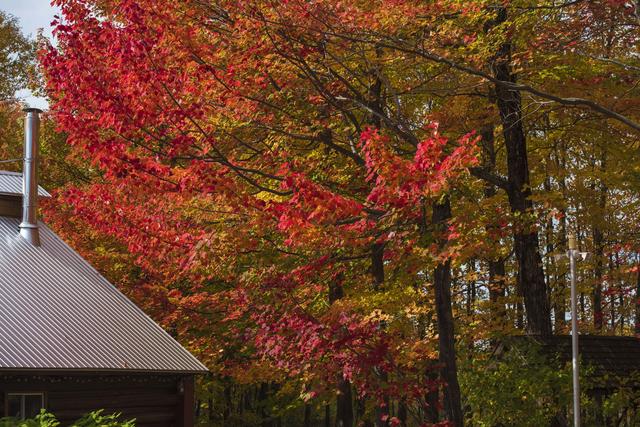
<point x="29" y="225"/>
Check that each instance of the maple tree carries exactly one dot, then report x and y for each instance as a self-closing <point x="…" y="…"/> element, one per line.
<point x="306" y="188"/>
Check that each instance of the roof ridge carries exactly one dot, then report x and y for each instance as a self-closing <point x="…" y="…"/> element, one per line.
<point x="581" y="336"/>
<point x="610" y="337"/>
<point x="3" y="172"/>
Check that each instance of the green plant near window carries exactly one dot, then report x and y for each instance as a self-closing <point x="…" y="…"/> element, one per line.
<point x="92" y="419"/>
<point x="42" y="420"/>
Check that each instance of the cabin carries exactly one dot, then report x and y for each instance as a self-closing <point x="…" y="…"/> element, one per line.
<point x="70" y="342"/>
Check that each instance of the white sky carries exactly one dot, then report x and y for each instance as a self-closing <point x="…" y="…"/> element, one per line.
<point x="33" y="14"/>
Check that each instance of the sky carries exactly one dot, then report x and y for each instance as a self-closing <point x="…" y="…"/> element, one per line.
<point x="33" y="14"/>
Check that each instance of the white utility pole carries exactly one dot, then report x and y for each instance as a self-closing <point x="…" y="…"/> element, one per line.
<point x="574" y="255"/>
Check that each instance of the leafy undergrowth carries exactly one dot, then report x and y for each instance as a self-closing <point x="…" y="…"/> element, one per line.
<point x="92" y="419"/>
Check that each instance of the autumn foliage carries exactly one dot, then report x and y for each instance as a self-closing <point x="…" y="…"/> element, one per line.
<point x="289" y="179"/>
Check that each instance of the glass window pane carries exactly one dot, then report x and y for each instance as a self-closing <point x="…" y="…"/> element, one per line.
<point x="14" y="406"/>
<point x="32" y="405"/>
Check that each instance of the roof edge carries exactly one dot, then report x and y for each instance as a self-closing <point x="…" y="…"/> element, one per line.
<point x="22" y="370"/>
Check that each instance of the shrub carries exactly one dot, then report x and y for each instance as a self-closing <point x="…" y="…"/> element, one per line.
<point x="521" y="388"/>
<point x="92" y="419"/>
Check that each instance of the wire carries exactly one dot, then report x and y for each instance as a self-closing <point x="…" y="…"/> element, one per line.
<point x="11" y="160"/>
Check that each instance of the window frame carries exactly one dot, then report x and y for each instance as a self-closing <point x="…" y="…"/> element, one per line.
<point x="23" y="394"/>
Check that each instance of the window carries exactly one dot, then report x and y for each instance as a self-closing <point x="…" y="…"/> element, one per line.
<point x="24" y="405"/>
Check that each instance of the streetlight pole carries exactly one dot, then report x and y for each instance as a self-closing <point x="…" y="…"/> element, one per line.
<point x="572" y="253"/>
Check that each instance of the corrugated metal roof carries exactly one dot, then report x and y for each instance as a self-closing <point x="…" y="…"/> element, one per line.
<point x="58" y="312"/>
<point x="11" y="183"/>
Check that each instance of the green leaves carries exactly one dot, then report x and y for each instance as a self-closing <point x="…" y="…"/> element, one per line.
<point x="92" y="419"/>
<point x="17" y="58"/>
<point x="520" y="387"/>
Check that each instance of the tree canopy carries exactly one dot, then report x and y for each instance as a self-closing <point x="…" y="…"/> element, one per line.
<point x="347" y="202"/>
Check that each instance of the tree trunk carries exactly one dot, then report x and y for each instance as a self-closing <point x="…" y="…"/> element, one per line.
<point x="307" y="415"/>
<point x="327" y="416"/>
<point x="402" y="412"/>
<point x="622" y="311"/>
<point x="527" y="247"/>
<point x="442" y="285"/>
<point x="344" y="404"/>
<point x="497" y="287"/>
<point x="264" y="412"/>
<point x="612" y="301"/>
<point x="560" y="300"/>
<point x="361" y="409"/>
<point x="598" y="246"/>
<point x="551" y="276"/>
<point x="471" y="291"/>
<point x="375" y="104"/>
<point x="377" y="272"/>
<point x="432" y="400"/>
<point x="496" y="264"/>
<point x="228" y="402"/>
<point x="598" y="270"/>
<point x="377" y="265"/>
<point x="637" y="303"/>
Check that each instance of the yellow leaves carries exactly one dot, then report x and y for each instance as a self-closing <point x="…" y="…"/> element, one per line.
<point x="377" y="316"/>
<point x="419" y="352"/>
<point x="415" y="310"/>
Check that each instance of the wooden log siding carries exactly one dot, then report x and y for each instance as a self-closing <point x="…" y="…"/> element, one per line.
<point x="153" y="400"/>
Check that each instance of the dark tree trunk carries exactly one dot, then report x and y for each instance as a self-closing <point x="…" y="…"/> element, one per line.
<point x="361" y="409"/>
<point x="375" y="104"/>
<point x="264" y="412"/>
<point x="497" y="286"/>
<point x="377" y="265"/>
<point x="496" y="264"/>
<point x="598" y="245"/>
<point x="433" y="400"/>
<point x="555" y="282"/>
<point x="612" y="301"/>
<point x="598" y="270"/>
<point x="377" y="272"/>
<point x="637" y="303"/>
<point x="335" y="290"/>
<point x="248" y="402"/>
<point x="344" y="404"/>
<point x="228" y="401"/>
<point x="307" y="415"/>
<point x="442" y="285"/>
<point x="622" y="320"/>
<point x="560" y="300"/>
<point x="327" y="416"/>
<point x="402" y="412"/>
<point x="471" y="291"/>
<point x="527" y="247"/>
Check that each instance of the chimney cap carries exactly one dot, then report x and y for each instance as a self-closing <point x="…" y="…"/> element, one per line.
<point x="31" y="110"/>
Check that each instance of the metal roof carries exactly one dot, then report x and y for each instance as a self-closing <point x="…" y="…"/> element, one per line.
<point x="11" y="184"/>
<point x="58" y="312"/>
